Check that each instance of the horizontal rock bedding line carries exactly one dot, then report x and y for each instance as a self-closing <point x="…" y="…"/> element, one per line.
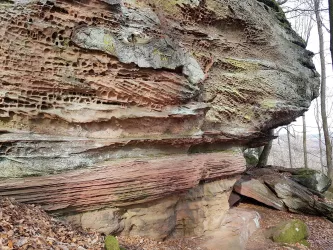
<point x="123" y="182"/>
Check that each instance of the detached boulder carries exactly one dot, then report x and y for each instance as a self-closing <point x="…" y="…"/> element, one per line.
<point x="290" y="232"/>
<point x="295" y="196"/>
<point x="312" y="179"/>
<point x="111" y="243"/>
<point x="236" y="228"/>
<point x="277" y="187"/>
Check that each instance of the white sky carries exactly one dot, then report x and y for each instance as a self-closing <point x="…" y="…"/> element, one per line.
<point x="313" y="45"/>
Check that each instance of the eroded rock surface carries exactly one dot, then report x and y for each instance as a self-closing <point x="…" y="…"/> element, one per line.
<point x="120" y="103"/>
<point x="197" y="212"/>
<point x="79" y="80"/>
<point x="236" y="228"/>
<point x="122" y="183"/>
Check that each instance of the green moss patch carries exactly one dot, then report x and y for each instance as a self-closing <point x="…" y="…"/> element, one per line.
<point x="290" y="232"/>
<point x="240" y="65"/>
<point x="111" y="243"/>
<point x="305" y="243"/>
<point x="312" y="179"/>
<point x="306" y="172"/>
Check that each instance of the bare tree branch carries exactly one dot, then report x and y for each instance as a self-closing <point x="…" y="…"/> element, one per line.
<point x="280" y="2"/>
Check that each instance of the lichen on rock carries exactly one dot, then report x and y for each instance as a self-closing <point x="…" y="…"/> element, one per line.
<point x="128" y="102"/>
<point x="128" y="47"/>
<point x="293" y="231"/>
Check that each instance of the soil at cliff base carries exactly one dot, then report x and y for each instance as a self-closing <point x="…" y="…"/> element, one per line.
<point x="28" y="227"/>
<point x="321" y="230"/>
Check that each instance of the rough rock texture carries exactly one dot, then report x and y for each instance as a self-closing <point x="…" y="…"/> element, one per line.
<point x="259" y="191"/>
<point x="86" y="82"/>
<point x="197" y="212"/>
<point x="284" y="190"/>
<point x="117" y="103"/>
<point x="312" y="179"/>
<point x="236" y="228"/>
<point x="122" y="183"/>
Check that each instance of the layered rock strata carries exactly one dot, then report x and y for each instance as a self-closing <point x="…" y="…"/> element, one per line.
<point x="117" y="103"/>
<point x="122" y="183"/>
<point x="197" y="212"/>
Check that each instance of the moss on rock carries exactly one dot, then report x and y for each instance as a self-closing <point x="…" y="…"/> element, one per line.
<point x="294" y="231"/>
<point x="111" y="243"/>
<point x="312" y="179"/>
<point x="305" y="243"/>
<point x="242" y="65"/>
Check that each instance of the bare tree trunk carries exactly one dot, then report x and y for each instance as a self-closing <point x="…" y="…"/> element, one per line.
<point x="263" y="159"/>
<point x="305" y="151"/>
<point x="330" y="10"/>
<point x="289" y="148"/>
<point x="323" y="83"/>
<point x="319" y="135"/>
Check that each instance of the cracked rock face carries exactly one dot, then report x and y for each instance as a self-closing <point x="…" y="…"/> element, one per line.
<point x="92" y="87"/>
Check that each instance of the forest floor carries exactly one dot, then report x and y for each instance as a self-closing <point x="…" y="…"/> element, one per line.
<point x="321" y="229"/>
<point x="27" y="227"/>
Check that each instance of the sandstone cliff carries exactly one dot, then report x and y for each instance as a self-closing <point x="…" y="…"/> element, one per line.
<point x="125" y="104"/>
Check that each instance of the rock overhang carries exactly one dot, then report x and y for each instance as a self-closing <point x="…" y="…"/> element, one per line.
<point x="85" y="83"/>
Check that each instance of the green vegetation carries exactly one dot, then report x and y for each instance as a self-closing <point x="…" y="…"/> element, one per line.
<point x="306" y="172"/>
<point x="268" y="103"/>
<point x="164" y="57"/>
<point x="111" y="243"/>
<point x="294" y="231"/>
<point x="109" y="44"/>
<point x="251" y="156"/>
<point x="241" y="65"/>
<point x="304" y="242"/>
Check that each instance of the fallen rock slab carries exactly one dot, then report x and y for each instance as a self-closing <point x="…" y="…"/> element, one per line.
<point x="276" y="184"/>
<point x="312" y="179"/>
<point x="257" y="190"/>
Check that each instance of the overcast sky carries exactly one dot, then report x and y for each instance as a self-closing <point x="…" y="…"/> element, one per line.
<point x="313" y="45"/>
